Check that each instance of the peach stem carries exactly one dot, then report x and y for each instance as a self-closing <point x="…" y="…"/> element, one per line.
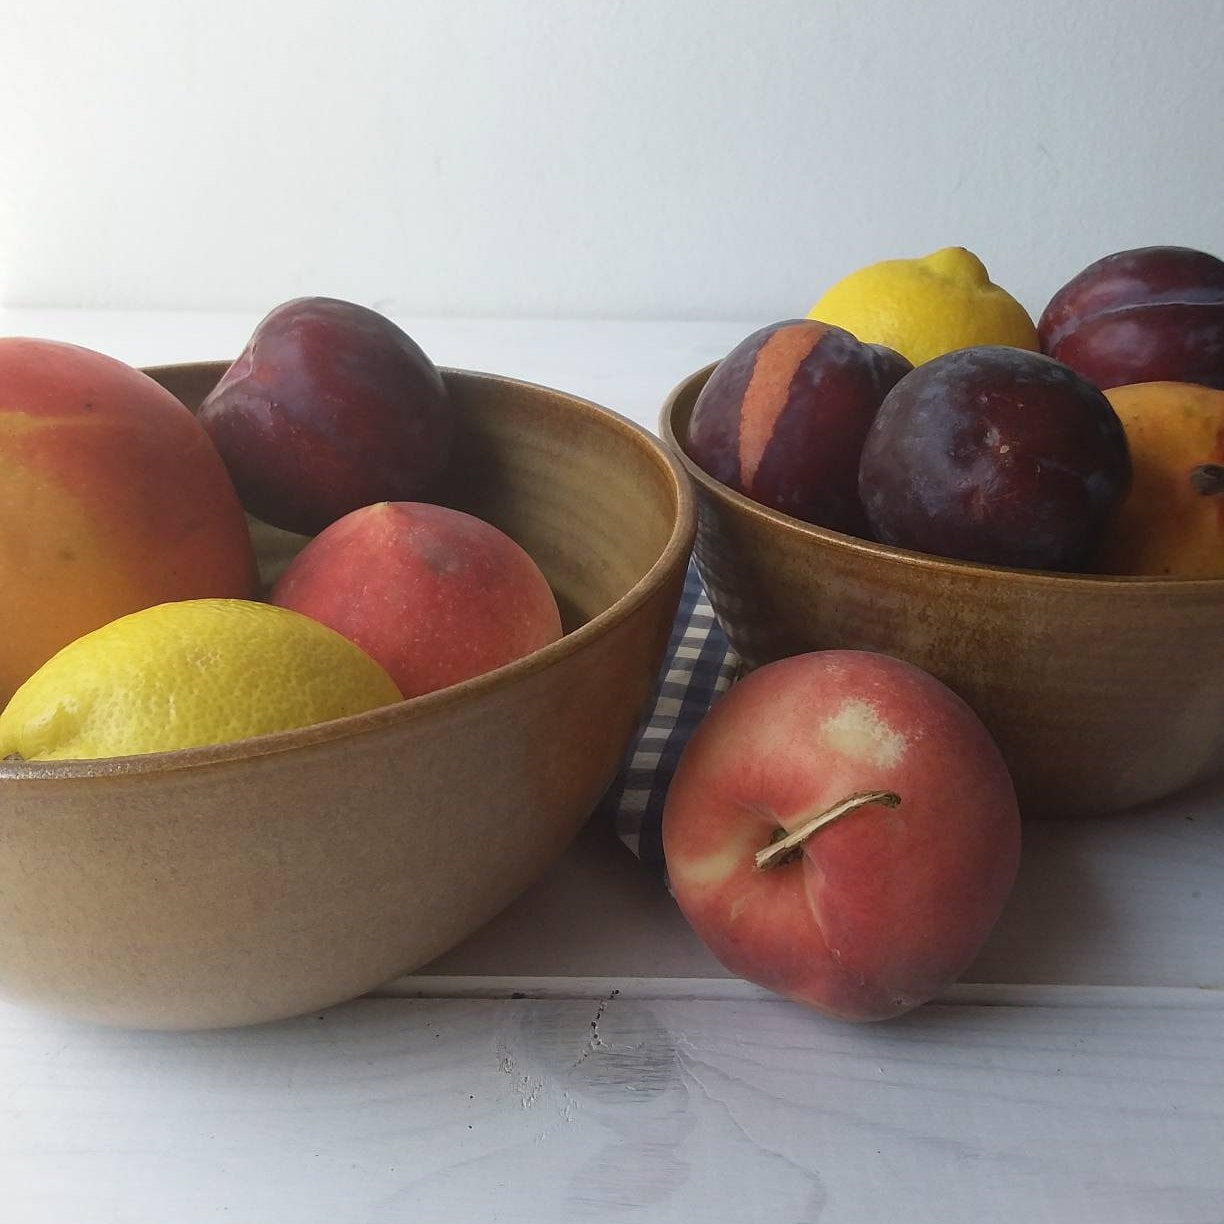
<point x="783" y="849"/>
<point x="1208" y="479"/>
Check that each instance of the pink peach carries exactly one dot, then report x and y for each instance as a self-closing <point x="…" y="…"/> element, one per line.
<point x="434" y="595"/>
<point x="904" y="832"/>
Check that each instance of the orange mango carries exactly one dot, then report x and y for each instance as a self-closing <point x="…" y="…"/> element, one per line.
<point x="1172" y="522"/>
<point x="112" y="499"/>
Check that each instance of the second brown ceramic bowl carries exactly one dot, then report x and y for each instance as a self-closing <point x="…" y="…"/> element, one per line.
<point x="1102" y="692"/>
<point x="254" y="880"/>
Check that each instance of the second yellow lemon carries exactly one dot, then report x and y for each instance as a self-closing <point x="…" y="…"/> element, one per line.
<point x="928" y="306"/>
<point x="186" y="674"/>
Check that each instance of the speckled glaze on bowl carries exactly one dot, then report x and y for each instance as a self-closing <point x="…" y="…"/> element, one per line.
<point x="262" y="879"/>
<point x="1102" y="692"/>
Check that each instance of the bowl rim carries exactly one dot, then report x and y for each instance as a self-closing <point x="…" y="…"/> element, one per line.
<point x="675" y="551"/>
<point x="1167" y="586"/>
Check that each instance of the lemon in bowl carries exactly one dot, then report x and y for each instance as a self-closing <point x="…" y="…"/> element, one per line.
<point x="185" y="675"/>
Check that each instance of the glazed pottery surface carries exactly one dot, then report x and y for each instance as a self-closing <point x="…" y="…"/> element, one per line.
<point x="1102" y="692"/>
<point x="266" y="878"/>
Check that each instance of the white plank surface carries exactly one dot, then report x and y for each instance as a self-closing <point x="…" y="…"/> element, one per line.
<point x="621" y="1109"/>
<point x="1135" y="899"/>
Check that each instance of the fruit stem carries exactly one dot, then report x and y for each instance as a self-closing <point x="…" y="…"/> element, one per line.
<point x="785" y="848"/>
<point x="1208" y="479"/>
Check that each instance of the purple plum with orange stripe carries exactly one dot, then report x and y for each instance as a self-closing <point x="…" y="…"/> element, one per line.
<point x="783" y="416"/>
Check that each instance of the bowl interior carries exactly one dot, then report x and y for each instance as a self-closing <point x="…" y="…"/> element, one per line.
<point x="600" y="505"/>
<point x="673" y="428"/>
<point x="526" y="458"/>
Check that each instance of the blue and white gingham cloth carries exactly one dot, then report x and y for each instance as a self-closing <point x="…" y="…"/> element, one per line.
<point x="698" y="667"/>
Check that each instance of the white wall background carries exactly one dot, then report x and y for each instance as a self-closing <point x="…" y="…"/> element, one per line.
<point x="590" y="158"/>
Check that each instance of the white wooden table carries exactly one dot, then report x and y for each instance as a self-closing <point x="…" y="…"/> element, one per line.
<point x="583" y="1057"/>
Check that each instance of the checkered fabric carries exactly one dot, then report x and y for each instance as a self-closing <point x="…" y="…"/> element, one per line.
<point x="698" y="666"/>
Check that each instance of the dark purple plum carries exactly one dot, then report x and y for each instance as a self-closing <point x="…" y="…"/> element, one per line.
<point x="782" y="419"/>
<point x="1153" y="314"/>
<point x="329" y="407"/>
<point x="997" y="455"/>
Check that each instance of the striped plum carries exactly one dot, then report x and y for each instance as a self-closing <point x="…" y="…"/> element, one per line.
<point x="783" y="417"/>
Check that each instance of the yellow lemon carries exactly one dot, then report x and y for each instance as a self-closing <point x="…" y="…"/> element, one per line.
<point x="928" y="306"/>
<point x="184" y="674"/>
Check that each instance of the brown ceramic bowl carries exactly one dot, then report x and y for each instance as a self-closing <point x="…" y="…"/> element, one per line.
<point x="266" y="878"/>
<point x="1102" y="692"/>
